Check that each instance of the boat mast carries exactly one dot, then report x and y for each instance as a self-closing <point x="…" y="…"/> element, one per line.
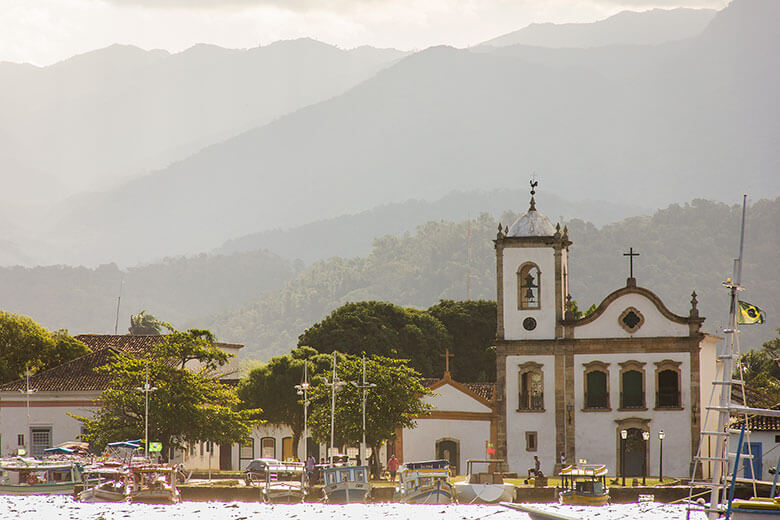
<point x="332" y="409"/>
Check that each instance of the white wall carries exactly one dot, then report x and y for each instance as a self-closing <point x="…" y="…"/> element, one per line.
<point x="597" y="432"/>
<point x="655" y="325"/>
<point x="449" y="398"/>
<point x="514" y="257"/>
<point x="517" y="423"/>
<point x="769" y="451"/>
<point x="420" y="443"/>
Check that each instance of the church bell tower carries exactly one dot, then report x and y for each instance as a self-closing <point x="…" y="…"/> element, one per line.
<point x="532" y="264"/>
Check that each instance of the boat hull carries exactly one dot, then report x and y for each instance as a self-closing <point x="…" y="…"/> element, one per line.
<point x="346" y="492"/>
<point x="755" y="508"/>
<point x="102" y="494"/>
<point x="428" y="496"/>
<point x="283" y="496"/>
<point x="64" y="488"/>
<point x="575" y="499"/>
<point x="156" y="497"/>
<point x="484" y="493"/>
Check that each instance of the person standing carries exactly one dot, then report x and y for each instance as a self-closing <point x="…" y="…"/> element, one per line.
<point x="311" y="463"/>
<point x="392" y="467"/>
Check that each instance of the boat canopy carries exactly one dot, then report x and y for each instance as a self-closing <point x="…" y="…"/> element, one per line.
<point x="592" y="470"/>
<point x="64" y="451"/>
<point x="428" y="464"/>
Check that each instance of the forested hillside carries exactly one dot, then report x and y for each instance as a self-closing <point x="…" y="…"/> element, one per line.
<point x="682" y="249"/>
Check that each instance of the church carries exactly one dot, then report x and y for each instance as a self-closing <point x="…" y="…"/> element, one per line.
<point x="607" y="387"/>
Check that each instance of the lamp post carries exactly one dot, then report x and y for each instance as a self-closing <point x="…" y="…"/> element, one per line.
<point x="27" y="392"/>
<point x="661" y="436"/>
<point x="623" y="437"/>
<point x="363" y="387"/>
<point x="303" y="389"/>
<point x="646" y="437"/>
<point x="146" y="389"/>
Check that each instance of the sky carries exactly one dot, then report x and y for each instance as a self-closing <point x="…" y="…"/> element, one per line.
<point x="43" y="32"/>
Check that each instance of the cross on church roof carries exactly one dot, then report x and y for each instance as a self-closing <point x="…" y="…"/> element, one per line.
<point x="631" y="256"/>
<point x="447" y="357"/>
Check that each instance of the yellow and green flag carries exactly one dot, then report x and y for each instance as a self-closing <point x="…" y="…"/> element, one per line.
<point x="749" y="314"/>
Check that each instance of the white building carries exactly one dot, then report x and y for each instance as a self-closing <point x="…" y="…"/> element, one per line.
<point x="567" y="387"/>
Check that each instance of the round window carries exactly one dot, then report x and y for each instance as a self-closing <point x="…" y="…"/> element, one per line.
<point x="529" y="324"/>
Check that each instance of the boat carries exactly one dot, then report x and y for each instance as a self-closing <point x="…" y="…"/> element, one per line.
<point x="154" y="484"/>
<point x="723" y="476"/>
<point x="30" y="476"/>
<point x="425" y="482"/>
<point x="536" y="513"/>
<point x="256" y="472"/>
<point x="584" y="485"/>
<point x="344" y="484"/>
<point x="284" y="483"/>
<point x="486" y="487"/>
<point x="106" y="483"/>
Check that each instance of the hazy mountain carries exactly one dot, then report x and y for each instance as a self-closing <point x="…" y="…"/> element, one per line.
<point x="626" y="28"/>
<point x="353" y="235"/>
<point x="638" y="125"/>
<point x="99" y="117"/>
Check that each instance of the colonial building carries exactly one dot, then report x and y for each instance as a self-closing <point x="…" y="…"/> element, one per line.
<point x="568" y="387"/>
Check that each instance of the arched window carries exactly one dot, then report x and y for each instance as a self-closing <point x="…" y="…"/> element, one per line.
<point x="667" y="384"/>
<point x="531" y="387"/>
<point x="596" y="386"/>
<point x="268" y="447"/>
<point x="632" y="385"/>
<point x="529" y="286"/>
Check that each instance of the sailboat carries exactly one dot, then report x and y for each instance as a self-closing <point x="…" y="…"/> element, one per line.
<point x="722" y="504"/>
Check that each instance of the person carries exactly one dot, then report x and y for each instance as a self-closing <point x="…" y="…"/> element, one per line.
<point x="311" y="462"/>
<point x="392" y="467"/>
<point x="536" y="470"/>
<point x="563" y="459"/>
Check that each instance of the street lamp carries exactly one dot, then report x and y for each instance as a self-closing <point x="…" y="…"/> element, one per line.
<point x="661" y="436"/>
<point x="303" y="389"/>
<point x="623" y="437"/>
<point x="363" y="386"/>
<point x="646" y="437"/>
<point x="146" y="389"/>
<point x="27" y="392"/>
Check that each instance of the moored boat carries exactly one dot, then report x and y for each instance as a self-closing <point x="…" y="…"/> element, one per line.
<point x="486" y="487"/>
<point x="29" y="476"/>
<point x="344" y="484"/>
<point x="425" y="482"/>
<point x="584" y="485"/>
<point x="154" y="484"/>
<point x="285" y="483"/>
<point x="106" y="483"/>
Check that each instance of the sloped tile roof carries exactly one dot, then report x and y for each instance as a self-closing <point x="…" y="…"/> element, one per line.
<point x="760" y="423"/>
<point x="484" y="390"/>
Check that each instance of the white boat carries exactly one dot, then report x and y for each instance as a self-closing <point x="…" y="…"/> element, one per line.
<point x="485" y="487"/>
<point x="584" y="485"/>
<point x="425" y="482"/>
<point x="256" y="471"/>
<point x="154" y="484"/>
<point x="285" y="483"/>
<point x="344" y="484"/>
<point x="106" y="483"/>
<point x="29" y="476"/>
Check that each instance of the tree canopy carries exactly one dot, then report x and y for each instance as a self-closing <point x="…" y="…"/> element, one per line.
<point x="25" y="344"/>
<point x="761" y="372"/>
<point x="393" y="403"/>
<point x="382" y="329"/>
<point x="187" y="406"/>
<point x="143" y="323"/>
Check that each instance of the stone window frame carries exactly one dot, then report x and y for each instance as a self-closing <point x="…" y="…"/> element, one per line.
<point x="674" y="366"/>
<point x="262" y="446"/>
<point x="522" y="271"/>
<point x="625" y="326"/>
<point x="531" y="441"/>
<point x="595" y="366"/>
<point x="628" y="366"/>
<point x="527" y="368"/>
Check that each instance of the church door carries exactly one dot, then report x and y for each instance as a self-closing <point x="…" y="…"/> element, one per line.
<point x="635" y="452"/>
<point x="448" y="449"/>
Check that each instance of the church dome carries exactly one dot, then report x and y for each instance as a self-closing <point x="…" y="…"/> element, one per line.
<point x="531" y="224"/>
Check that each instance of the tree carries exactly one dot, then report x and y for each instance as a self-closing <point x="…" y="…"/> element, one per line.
<point x="271" y="387"/>
<point x="382" y="329"/>
<point x="394" y="403"/>
<point x="761" y="372"/>
<point x="472" y="327"/>
<point x="143" y="323"/>
<point x="187" y="406"/>
<point x="25" y="344"/>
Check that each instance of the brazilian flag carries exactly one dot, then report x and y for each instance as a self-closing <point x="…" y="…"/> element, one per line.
<point x="749" y="314"/>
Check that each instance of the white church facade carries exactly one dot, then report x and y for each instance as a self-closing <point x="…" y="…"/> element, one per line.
<point x="571" y="388"/>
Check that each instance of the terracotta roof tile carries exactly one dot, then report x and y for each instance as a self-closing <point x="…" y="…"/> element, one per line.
<point x="484" y="390"/>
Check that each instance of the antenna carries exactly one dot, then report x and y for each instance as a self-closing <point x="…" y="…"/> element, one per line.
<point x="468" y="260"/>
<point x="118" y="302"/>
<point x="741" y="241"/>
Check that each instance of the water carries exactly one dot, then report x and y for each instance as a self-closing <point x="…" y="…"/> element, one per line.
<point x="65" y="508"/>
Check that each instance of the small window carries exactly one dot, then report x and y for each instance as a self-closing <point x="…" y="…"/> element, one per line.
<point x="777" y="439"/>
<point x="632" y="385"/>
<point x="20" y="439"/>
<point x="529" y="287"/>
<point x="631" y="319"/>
<point x="41" y="440"/>
<point x="531" y="387"/>
<point x="667" y="381"/>
<point x="247" y="451"/>
<point x="530" y="441"/>
<point x="596" y="386"/>
<point x="268" y="448"/>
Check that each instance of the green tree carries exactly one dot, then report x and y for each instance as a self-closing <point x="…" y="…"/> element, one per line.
<point x="383" y="329"/>
<point x="393" y="403"/>
<point x="143" y="323"/>
<point x="472" y="327"/>
<point x="188" y="405"/>
<point x="761" y="372"/>
<point x="271" y="387"/>
<point x="25" y="344"/>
